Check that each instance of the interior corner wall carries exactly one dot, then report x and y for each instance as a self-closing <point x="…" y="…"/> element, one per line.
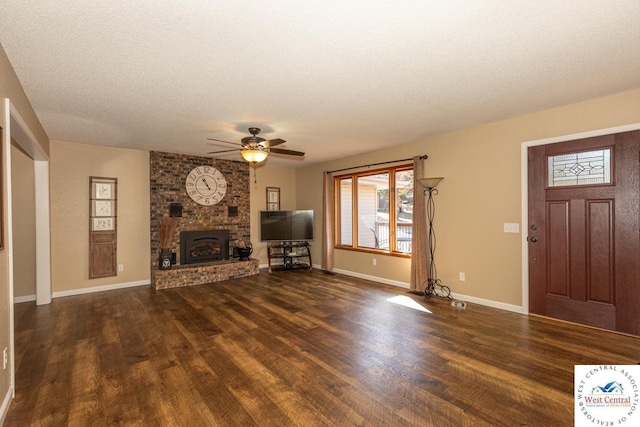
<point x="480" y="192"/>
<point x="71" y="165"/>
<point x="10" y="87"/>
<point x="24" y="229"/>
<point x="267" y="175"/>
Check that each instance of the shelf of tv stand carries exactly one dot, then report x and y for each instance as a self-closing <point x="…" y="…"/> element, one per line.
<point x="290" y="253"/>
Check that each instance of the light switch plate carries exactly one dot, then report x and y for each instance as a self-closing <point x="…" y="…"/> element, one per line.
<point x="511" y="227"/>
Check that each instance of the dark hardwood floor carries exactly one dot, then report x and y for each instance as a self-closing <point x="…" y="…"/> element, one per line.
<point x="295" y="349"/>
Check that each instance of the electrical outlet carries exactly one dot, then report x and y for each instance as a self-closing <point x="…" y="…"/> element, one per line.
<point x="5" y="358"/>
<point x="120" y="267"/>
<point x="373" y="261"/>
<point x="462" y="276"/>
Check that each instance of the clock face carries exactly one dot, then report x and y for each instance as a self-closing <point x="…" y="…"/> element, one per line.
<point x="206" y="185"/>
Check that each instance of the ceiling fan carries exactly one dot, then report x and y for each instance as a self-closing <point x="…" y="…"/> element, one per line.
<point x="255" y="149"/>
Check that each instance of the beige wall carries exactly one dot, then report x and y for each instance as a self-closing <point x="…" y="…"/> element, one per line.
<point x="11" y="88"/>
<point x="480" y="192"/>
<point x="269" y="176"/>
<point x="71" y="166"/>
<point x="24" y="220"/>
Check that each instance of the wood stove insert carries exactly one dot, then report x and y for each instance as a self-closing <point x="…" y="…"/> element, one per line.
<point x="198" y="247"/>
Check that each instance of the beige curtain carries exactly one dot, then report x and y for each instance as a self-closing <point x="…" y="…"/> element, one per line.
<point x="328" y="223"/>
<point x="419" y="251"/>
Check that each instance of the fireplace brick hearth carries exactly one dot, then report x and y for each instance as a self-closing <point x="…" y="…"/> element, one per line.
<point x="200" y="274"/>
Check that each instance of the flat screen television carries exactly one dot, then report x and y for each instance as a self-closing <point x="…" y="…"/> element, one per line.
<point x="286" y="226"/>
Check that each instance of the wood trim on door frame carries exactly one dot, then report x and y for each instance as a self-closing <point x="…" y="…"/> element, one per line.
<point x="524" y="192"/>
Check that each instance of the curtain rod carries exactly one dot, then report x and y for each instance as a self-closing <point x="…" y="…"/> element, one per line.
<point x="422" y="157"/>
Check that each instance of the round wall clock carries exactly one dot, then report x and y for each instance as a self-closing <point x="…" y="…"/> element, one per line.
<point x="206" y="185"/>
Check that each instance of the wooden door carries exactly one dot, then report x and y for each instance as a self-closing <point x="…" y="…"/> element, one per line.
<point x="584" y="237"/>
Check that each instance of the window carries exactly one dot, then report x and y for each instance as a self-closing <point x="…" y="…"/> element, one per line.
<point x="583" y="168"/>
<point x="374" y="210"/>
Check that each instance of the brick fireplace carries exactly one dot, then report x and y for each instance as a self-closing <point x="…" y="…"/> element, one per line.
<point x="231" y="216"/>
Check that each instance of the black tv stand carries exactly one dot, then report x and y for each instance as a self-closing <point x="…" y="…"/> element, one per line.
<point x="292" y="254"/>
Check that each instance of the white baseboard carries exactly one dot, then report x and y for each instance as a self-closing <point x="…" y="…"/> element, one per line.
<point x="359" y="276"/>
<point x="490" y="303"/>
<point x="29" y="298"/>
<point x="100" y="288"/>
<point x="5" y="405"/>
<point x="372" y="278"/>
<point x="26" y="298"/>
<point x="475" y="300"/>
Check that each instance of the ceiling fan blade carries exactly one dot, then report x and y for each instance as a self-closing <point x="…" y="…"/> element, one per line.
<point x="272" y="142"/>
<point x="285" y="151"/>
<point x="226" y="142"/>
<point x="224" y="151"/>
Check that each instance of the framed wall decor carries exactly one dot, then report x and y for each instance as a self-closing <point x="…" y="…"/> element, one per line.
<point x="102" y="208"/>
<point x="273" y="198"/>
<point x="102" y="190"/>
<point x="103" y="224"/>
<point x="103" y="204"/>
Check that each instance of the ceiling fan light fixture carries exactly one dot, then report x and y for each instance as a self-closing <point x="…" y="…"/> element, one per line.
<point x="256" y="149"/>
<point x="254" y="155"/>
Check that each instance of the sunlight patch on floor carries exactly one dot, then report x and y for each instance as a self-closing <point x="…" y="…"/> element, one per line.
<point x="406" y="301"/>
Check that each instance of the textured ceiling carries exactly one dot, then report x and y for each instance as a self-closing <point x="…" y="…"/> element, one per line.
<point x="333" y="78"/>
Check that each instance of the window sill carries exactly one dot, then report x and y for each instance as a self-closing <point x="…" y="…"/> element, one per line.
<point x="374" y="251"/>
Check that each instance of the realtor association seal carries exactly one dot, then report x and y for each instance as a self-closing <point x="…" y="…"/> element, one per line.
<point x="607" y="395"/>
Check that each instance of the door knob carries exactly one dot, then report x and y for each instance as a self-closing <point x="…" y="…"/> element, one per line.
<point x="533" y="239"/>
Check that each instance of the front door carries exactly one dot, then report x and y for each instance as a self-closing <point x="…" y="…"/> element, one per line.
<point x="584" y="231"/>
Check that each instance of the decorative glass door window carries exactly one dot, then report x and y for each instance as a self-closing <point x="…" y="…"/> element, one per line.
<point x="583" y="168"/>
